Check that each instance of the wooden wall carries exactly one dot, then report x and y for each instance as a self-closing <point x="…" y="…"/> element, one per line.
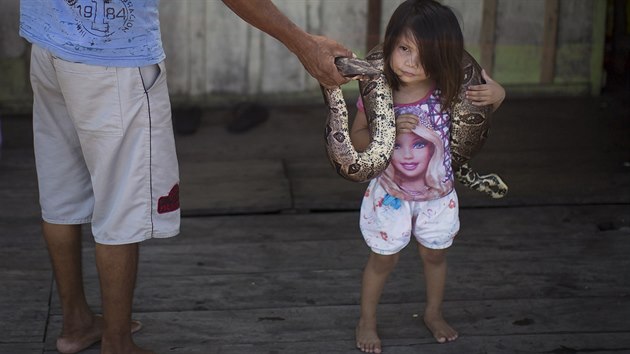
<point x="530" y="46"/>
<point x="15" y="89"/>
<point x="211" y="50"/>
<point x="533" y="47"/>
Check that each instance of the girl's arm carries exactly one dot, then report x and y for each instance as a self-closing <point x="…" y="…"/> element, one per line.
<point x="489" y="93"/>
<point x="360" y="132"/>
<point x="316" y="53"/>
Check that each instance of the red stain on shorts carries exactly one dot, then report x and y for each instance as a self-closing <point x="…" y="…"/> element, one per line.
<point x="170" y="202"/>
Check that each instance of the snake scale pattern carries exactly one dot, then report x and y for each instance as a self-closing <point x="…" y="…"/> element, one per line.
<point x="379" y="108"/>
<point x="469" y="130"/>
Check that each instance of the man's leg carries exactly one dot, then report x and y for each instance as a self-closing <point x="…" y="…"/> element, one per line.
<point x="80" y="327"/>
<point x="117" y="268"/>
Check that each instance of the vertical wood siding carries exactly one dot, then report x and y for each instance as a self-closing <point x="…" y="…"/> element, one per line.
<point x="211" y="52"/>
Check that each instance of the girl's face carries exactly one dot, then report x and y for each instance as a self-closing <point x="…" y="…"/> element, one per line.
<point x="405" y="61"/>
<point x="412" y="154"/>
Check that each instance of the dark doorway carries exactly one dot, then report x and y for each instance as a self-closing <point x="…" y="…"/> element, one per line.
<point x="617" y="48"/>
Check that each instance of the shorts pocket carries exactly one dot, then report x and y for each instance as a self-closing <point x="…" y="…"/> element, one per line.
<point x="150" y="75"/>
<point x="158" y="96"/>
<point x="92" y="97"/>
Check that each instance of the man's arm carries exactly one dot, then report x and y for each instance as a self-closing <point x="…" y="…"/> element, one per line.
<point x="316" y="53"/>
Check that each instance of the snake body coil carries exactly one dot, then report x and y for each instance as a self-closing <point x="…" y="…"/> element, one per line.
<point x="469" y="129"/>
<point x="470" y="125"/>
<point x="379" y="110"/>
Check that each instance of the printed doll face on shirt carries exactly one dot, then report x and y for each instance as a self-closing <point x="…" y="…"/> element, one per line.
<point x="405" y="61"/>
<point x="411" y="156"/>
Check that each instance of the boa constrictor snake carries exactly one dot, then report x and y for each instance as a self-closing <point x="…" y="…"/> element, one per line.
<point x="469" y="125"/>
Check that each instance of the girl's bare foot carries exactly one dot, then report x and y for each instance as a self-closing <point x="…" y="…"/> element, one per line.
<point x="441" y="330"/>
<point x="75" y="341"/>
<point x="366" y="337"/>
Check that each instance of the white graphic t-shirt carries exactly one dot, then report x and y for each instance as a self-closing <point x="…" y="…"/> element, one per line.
<point x="420" y="166"/>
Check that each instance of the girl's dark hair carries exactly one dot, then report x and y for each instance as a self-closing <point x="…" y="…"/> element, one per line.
<point x="439" y="39"/>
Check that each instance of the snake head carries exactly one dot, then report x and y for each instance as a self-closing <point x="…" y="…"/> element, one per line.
<point x="357" y="69"/>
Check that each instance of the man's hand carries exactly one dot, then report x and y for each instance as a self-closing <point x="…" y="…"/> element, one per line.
<point x="318" y="57"/>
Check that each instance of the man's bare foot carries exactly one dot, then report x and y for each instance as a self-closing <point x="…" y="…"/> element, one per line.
<point x="367" y="338"/>
<point x="441" y="330"/>
<point x="76" y="341"/>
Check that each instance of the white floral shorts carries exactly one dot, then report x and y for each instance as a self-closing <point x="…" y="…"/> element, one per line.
<point x="387" y="223"/>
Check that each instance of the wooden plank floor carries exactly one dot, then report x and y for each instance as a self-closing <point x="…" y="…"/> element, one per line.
<point x="270" y="257"/>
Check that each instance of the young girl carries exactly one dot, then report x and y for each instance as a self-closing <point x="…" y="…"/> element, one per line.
<point x="423" y="50"/>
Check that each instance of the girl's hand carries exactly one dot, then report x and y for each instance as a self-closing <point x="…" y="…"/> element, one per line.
<point x="406" y="123"/>
<point x="490" y="93"/>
